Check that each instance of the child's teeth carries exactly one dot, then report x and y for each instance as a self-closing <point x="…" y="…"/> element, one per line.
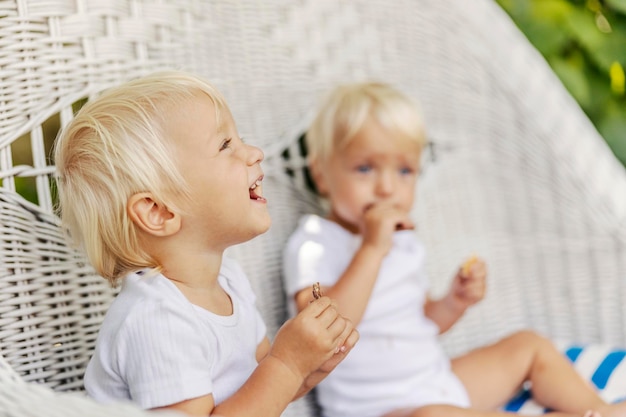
<point x="256" y="184"/>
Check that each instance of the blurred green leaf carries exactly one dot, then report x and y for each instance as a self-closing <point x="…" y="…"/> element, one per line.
<point x="570" y="71"/>
<point x="600" y="96"/>
<point x="611" y="50"/>
<point x="582" y="25"/>
<point x="548" y="39"/>
<point x="613" y="128"/>
<point x="542" y="22"/>
<point x="582" y="40"/>
<point x="602" y="48"/>
<point x="555" y="11"/>
<point x="27" y="188"/>
<point x="619" y="5"/>
<point x="618" y="79"/>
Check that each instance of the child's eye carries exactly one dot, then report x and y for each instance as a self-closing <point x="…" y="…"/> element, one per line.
<point x="406" y="171"/>
<point x="226" y="144"/>
<point x="363" y="168"/>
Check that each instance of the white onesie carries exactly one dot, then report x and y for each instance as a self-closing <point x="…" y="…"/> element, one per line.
<point x="156" y="348"/>
<point x="398" y="361"/>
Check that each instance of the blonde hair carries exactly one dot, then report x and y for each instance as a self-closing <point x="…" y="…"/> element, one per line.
<point x="346" y="109"/>
<point x="115" y="147"/>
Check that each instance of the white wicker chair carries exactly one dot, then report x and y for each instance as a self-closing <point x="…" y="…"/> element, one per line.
<point x="516" y="173"/>
<point x="21" y="399"/>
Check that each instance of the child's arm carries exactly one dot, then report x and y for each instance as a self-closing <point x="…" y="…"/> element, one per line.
<point x="266" y="393"/>
<point x="353" y="289"/>
<point x="303" y="345"/>
<point x="468" y="288"/>
<point x="350" y="335"/>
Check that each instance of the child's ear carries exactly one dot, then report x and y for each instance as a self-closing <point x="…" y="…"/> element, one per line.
<point x="152" y="217"/>
<point x="317" y="173"/>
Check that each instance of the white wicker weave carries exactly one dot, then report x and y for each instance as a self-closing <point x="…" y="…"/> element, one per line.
<point x="21" y="399"/>
<point x="517" y="173"/>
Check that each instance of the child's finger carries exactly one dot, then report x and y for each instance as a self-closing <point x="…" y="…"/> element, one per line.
<point x="328" y="317"/>
<point x="353" y="338"/>
<point x="380" y="206"/>
<point x="389" y="212"/>
<point x="466" y="268"/>
<point x="347" y="339"/>
<point x="405" y="225"/>
<point x="337" y="327"/>
<point x="473" y="292"/>
<point x="317" y="307"/>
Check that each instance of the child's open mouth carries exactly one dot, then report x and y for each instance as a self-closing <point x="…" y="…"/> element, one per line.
<point x="256" y="190"/>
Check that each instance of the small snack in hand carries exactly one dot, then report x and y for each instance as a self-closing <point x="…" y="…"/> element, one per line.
<point x="467" y="265"/>
<point x="317" y="292"/>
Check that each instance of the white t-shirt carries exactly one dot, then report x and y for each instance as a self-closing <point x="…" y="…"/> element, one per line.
<point x="156" y="348"/>
<point x="398" y="361"/>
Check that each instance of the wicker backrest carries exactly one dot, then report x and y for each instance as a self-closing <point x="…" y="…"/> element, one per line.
<point x="515" y="172"/>
<point x="54" y="56"/>
<point x="21" y="399"/>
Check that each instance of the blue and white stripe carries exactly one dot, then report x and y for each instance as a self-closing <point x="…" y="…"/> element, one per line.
<point x="603" y="366"/>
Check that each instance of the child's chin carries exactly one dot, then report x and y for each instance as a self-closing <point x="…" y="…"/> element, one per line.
<point x="265" y="226"/>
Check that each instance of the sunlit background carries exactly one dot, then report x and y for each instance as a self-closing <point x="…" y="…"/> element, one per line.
<point x="584" y="41"/>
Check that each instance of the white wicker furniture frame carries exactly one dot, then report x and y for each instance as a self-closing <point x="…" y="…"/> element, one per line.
<point x="516" y="173"/>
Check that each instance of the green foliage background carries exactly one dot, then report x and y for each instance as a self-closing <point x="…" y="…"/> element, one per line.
<point x="584" y="41"/>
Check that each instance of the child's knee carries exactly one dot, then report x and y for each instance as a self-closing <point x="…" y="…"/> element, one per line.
<point x="530" y="339"/>
<point x="428" y="411"/>
<point x="435" y="411"/>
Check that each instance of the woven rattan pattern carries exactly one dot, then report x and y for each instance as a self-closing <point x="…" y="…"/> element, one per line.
<point x="518" y="174"/>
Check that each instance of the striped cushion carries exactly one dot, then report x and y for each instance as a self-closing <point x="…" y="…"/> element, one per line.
<point x="603" y="366"/>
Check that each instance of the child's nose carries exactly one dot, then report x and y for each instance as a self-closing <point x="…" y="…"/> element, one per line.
<point x="254" y="154"/>
<point x="385" y="184"/>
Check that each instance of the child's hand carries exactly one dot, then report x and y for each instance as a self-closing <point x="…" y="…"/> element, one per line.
<point x="310" y="339"/>
<point x="351" y="336"/>
<point x="469" y="284"/>
<point x="380" y="221"/>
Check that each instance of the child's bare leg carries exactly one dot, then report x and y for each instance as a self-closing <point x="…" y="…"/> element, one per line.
<point x="452" y="411"/>
<point x="492" y="375"/>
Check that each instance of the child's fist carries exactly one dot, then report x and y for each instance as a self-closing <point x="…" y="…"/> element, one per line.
<point x="469" y="284"/>
<point x="311" y="338"/>
<point x="380" y="221"/>
<point x="350" y="336"/>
